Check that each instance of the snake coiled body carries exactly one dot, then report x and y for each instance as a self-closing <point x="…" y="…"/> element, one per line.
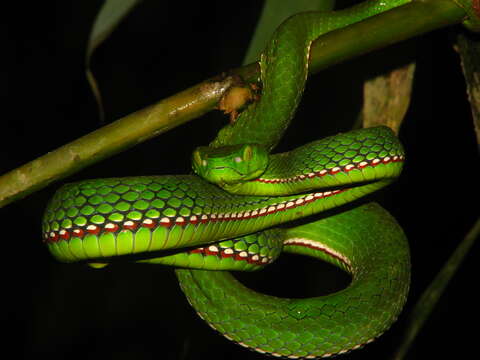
<point x="199" y="227"/>
<point x="205" y="227"/>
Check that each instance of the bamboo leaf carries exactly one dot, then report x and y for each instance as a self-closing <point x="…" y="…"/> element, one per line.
<point x="469" y="49"/>
<point x="273" y="14"/>
<point x="432" y="294"/>
<point x="110" y="15"/>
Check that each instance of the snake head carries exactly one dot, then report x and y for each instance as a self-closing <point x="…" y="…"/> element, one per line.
<point x="230" y="165"/>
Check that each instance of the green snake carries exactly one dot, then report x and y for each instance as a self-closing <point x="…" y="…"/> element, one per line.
<point x="199" y="226"/>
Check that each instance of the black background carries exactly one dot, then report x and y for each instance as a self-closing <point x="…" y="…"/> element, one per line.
<point x="131" y="311"/>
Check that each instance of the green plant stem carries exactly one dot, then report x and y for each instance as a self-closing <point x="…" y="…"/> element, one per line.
<point x="468" y="48"/>
<point x="387" y="28"/>
<point x="111" y="139"/>
<point x="432" y="294"/>
<point x="390" y="27"/>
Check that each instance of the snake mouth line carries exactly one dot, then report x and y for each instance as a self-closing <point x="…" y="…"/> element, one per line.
<point x="229" y="168"/>
<point x="335" y="170"/>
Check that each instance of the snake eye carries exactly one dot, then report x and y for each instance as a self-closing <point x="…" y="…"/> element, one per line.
<point x="238" y="159"/>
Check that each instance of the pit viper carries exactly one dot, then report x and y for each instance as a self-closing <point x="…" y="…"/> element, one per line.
<point x="226" y="217"/>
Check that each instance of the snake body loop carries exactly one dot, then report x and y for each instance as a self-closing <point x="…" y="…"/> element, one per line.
<point x="284" y="70"/>
<point x="197" y="226"/>
<point x="209" y="228"/>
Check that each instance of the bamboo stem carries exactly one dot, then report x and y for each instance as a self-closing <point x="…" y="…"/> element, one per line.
<point x="387" y="28"/>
